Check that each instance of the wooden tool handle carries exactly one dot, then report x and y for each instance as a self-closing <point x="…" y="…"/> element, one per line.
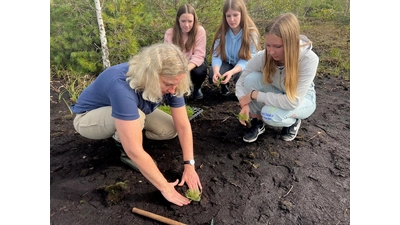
<point x="156" y="217"/>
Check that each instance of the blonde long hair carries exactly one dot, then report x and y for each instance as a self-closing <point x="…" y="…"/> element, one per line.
<point x="285" y="26"/>
<point x="250" y="32"/>
<point x="161" y="59"/>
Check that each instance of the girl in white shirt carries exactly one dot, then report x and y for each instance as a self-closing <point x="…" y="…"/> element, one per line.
<point x="277" y="85"/>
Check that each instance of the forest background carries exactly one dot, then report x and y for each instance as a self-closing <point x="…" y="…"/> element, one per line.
<point x="75" y="46"/>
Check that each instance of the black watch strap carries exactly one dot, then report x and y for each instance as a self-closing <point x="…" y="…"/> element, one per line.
<point x="191" y="162"/>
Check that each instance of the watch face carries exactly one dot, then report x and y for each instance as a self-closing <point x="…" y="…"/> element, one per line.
<point x="191" y="162"/>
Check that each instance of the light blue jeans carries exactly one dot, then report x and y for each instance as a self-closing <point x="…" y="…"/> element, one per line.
<point x="271" y="115"/>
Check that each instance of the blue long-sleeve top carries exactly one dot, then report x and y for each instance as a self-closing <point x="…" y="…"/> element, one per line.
<point x="232" y="47"/>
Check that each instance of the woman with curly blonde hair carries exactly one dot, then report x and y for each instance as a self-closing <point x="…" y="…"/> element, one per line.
<point x="122" y="101"/>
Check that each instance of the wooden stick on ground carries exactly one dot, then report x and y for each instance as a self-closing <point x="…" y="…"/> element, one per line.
<point x="156" y="217"/>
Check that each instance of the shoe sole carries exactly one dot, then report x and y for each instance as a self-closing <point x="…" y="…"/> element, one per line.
<point x="255" y="139"/>
<point x="295" y="135"/>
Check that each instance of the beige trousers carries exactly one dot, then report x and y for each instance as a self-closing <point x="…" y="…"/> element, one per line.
<point x="99" y="124"/>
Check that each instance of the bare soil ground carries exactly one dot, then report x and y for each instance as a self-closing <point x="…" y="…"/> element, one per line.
<point x="305" y="181"/>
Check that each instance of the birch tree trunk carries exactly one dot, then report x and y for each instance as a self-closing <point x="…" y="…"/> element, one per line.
<point x="103" y="39"/>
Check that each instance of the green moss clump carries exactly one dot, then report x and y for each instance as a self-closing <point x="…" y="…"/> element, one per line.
<point x="115" y="192"/>
<point x="193" y="195"/>
<point x="167" y="109"/>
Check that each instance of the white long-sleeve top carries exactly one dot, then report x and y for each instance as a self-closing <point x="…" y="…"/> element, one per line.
<point x="308" y="63"/>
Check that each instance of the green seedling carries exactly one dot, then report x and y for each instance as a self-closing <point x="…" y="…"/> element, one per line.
<point x="245" y="118"/>
<point x="193" y="195"/>
<point x="221" y="78"/>
<point x="167" y="109"/>
<point x="189" y="111"/>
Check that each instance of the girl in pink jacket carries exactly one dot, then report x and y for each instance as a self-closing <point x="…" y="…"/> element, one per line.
<point x="190" y="36"/>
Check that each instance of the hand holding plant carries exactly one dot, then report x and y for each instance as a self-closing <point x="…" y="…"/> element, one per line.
<point x="244" y="117"/>
<point x="218" y="82"/>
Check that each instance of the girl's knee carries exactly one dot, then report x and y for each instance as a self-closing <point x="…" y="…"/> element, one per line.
<point x="272" y="116"/>
<point x="253" y="80"/>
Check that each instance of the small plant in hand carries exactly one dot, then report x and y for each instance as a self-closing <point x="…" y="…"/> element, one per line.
<point x="245" y="118"/>
<point x="221" y="78"/>
<point x="193" y="195"/>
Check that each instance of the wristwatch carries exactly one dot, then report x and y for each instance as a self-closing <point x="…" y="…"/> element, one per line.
<point x="191" y="162"/>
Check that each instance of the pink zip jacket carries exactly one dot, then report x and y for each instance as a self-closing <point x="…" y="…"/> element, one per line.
<point x="197" y="54"/>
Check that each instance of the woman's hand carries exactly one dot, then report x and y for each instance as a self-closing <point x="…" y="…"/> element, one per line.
<point x="191" y="178"/>
<point x="173" y="196"/>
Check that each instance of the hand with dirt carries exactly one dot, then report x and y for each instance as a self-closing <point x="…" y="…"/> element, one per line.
<point x="173" y="196"/>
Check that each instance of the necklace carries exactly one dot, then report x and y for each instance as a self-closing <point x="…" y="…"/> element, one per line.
<point x="280" y="65"/>
<point x="280" y="68"/>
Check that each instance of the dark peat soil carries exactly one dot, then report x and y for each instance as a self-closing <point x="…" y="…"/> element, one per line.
<point x="270" y="181"/>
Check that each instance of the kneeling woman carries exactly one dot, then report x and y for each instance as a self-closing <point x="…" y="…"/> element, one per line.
<point x="277" y="85"/>
<point x="123" y="101"/>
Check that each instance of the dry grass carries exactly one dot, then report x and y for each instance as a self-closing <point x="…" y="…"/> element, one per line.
<point x="331" y="42"/>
